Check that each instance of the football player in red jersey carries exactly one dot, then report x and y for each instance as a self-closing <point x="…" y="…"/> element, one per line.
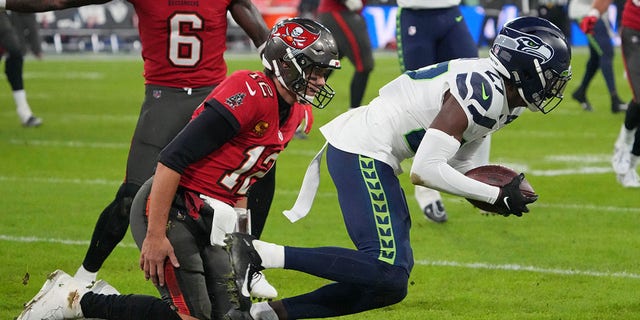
<point x="626" y="150"/>
<point x="181" y="216"/>
<point x="183" y="43"/>
<point x="348" y="26"/>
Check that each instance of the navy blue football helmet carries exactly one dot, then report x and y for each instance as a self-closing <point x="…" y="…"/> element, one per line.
<point x="534" y="54"/>
<point x="296" y="48"/>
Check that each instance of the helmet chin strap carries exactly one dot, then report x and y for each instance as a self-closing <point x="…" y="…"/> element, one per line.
<point x="276" y="72"/>
<point x="531" y="106"/>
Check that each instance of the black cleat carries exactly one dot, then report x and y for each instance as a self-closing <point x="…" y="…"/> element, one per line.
<point x="234" y="314"/>
<point x="32" y="122"/>
<point x="582" y="99"/>
<point x="618" y="106"/>
<point x="245" y="262"/>
<point x="435" y="212"/>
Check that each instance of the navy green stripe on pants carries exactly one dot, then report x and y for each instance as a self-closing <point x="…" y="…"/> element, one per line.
<point x="377" y="219"/>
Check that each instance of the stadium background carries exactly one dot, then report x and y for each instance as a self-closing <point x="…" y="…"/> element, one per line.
<point x="573" y="257"/>
<point x="112" y="27"/>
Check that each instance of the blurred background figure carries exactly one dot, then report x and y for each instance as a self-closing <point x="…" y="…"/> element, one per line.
<point x="343" y="18"/>
<point x="555" y="11"/>
<point x="626" y="149"/>
<point x="429" y="32"/>
<point x="308" y="9"/>
<point x="14" y="63"/>
<point x="489" y="27"/>
<point x="601" y="53"/>
<point x="28" y="32"/>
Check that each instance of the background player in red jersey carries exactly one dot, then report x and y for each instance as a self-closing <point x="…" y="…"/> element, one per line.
<point x="182" y="48"/>
<point x="233" y="140"/>
<point x="347" y="25"/>
<point x="626" y="150"/>
<point x="14" y="63"/>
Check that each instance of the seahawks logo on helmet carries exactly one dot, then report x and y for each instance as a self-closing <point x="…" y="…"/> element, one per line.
<point x="528" y="44"/>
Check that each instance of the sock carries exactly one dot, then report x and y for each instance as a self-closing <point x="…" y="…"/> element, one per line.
<point x="22" y="107"/>
<point x="625" y="137"/>
<point x="272" y="254"/>
<point x="84" y="275"/>
<point x="263" y="311"/>
<point x="628" y="135"/>
<point x="425" y="196"/>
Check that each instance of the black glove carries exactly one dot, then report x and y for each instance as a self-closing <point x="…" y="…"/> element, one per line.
<point x="511" y="200"/>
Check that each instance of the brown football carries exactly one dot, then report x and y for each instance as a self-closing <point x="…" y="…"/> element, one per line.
<point x="498" y="176"/>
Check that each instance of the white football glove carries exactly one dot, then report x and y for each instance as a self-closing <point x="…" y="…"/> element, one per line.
<point x="353" y="5"/>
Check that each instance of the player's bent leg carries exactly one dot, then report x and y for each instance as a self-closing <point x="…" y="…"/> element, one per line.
<point x="137" y="216"/>
<point x="220" y="282"/>
<point x="259" y="201"/>
<point x="338" y="299"/>
<point x="110" y="229"/>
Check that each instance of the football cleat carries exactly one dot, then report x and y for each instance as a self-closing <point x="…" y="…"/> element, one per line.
<point x="234" y="314"/>
<point x="102" y="287"/>
<point x="32" y="122"/>
<point x="263" y="311"/>
<point x="621" y="159"/>
<point x="57" y="300"/>
<point x="618" y="106"/>
<point x="582" y="99"/>
<point x="51" y="279"/>
<point x="261" y="289"/>
<point x="435" y="212"/>
<point x="629" y="179"/>
<point x="245" y="262"/>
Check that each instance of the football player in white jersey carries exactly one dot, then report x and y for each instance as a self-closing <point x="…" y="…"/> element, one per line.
<point x="430" y="32"/>
<point x="437" y="115"/>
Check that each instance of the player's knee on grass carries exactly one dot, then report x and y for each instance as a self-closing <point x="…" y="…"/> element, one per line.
<point x="391" y="288"/>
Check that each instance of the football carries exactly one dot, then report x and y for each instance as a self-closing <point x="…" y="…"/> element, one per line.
<point x="498" y="176"/>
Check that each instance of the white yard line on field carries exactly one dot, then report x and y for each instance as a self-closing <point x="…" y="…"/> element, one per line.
<point x="573" y="159"/>
<point x="70" y="144"/>
<point x="454" y="264"/>
<point x="117" y="118"/>
<point x="53" y="240"/>
<point x="62" y="180"/>
<point x="516" y="267"/>
<point x="294" y="192"/>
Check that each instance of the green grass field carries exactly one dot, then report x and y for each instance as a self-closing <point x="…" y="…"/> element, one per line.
<point x="574" y="256"/>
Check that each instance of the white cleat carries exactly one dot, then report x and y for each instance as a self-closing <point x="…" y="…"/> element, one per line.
<point x="51" y="279"/>
<point x="629" y="179"/>
<point x="58" y="299"/>
<point x="621" y="159"/>
<point x="261" y="288"/>
<point x="102" y="287"/>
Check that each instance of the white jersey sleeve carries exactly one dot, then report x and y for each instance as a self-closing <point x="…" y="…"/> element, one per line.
<point x="390" y="129"/>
